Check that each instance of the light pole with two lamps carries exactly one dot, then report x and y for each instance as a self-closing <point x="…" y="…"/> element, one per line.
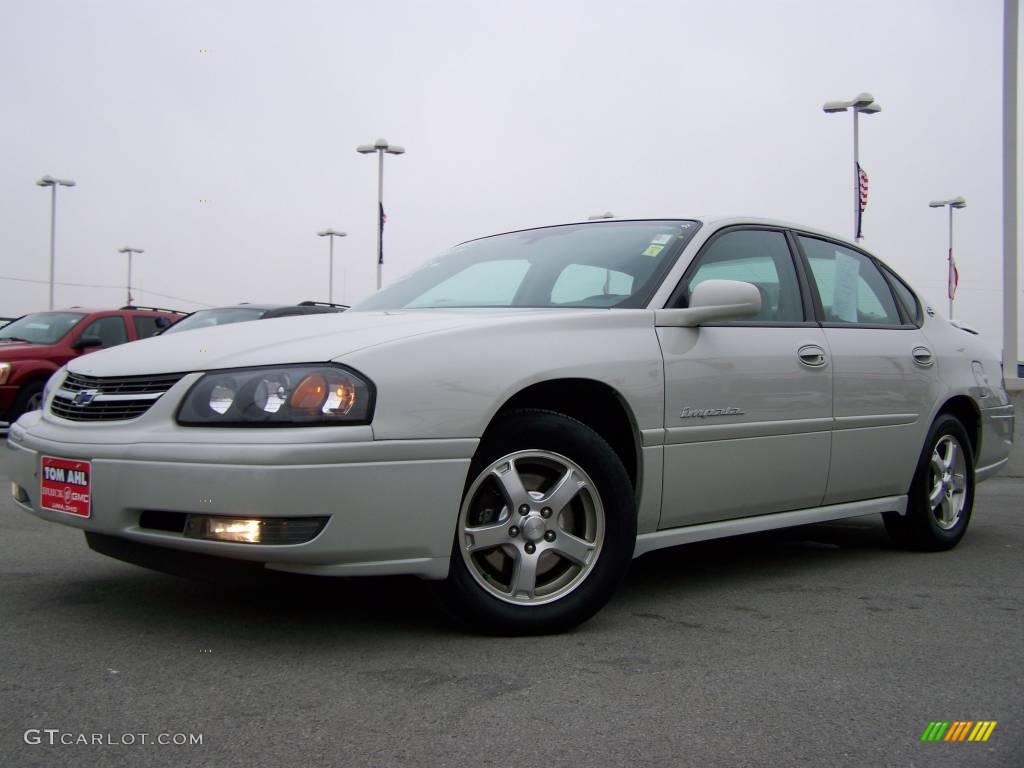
<point x="863" y="103"/>
<point x="953" y="277"/>
<point x="380" y="146"/>
<point x="52" y="183"/>
<point x="130" y="251"/>
<point x="330" y="233"/>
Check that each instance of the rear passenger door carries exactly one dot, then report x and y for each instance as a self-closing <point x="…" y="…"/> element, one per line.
<point x="748" y="405"/>
<point x="883" y="369"/>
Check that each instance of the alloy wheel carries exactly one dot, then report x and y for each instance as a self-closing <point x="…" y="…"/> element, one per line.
<point x="531" y="527"/>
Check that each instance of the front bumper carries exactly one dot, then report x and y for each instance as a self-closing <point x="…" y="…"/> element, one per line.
<point x="8" y="392"/>
<point x="392" y="505"/>
<point x="997" y="429"/>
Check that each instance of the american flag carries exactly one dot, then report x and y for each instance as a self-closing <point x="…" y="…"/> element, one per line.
<point x="954" y="276"/>
<point x="862" y="188"/>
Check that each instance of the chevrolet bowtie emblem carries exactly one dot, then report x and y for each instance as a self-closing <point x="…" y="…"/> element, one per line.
<point x="85" y="396"/>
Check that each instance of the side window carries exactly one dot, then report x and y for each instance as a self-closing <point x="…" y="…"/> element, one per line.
<point x="486" y="283"/>
<point x="147" y="326"/>
<point x="851" y="288"/>
<point x="590" y="285"/>
<point x="760" y="257"/>
<point x="109" y="330"/>
<point x="905" y="295"/>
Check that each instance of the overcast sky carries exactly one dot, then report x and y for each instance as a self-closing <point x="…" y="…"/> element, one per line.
<point x="513" y="114"/>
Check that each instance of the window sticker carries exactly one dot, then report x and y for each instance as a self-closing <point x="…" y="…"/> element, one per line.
<point x="661" y="239"/>
<point x="653" y="250"/>
<point x="844" y="292"/>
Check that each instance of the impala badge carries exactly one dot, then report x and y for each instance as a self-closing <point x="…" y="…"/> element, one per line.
<point x="692" y="413"/>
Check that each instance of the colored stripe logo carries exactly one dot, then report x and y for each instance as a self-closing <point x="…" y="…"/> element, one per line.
<point x="959" y="730"/>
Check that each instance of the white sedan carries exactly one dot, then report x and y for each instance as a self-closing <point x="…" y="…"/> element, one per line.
<point x="525" y="414"/>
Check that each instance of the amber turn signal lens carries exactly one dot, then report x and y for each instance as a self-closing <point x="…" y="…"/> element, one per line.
<point x="310" y="394"/>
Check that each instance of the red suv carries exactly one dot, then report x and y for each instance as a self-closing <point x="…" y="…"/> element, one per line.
<point x="33" y="347"/>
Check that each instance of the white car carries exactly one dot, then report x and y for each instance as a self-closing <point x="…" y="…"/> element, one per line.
<point x="526" y="413"/>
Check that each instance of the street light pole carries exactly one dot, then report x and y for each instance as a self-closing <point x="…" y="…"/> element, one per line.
<point x="130" y="251"/>
<point x="856" y="175"/>
<point x="50" y="181"/>
<point x="331" y="234"/>
<point x="862" y="103"/>
<point x="380" y="146"/>
<point x="956" y="202"/>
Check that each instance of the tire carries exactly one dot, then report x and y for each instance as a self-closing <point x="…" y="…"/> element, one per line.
<point x="534" y="554"/>
<point x="942" y="493"/>
<point x="29" y="398"/>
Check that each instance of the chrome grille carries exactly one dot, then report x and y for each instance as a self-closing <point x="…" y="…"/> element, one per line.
<point x="109" y="399"/>
<point x="123" y="385"/>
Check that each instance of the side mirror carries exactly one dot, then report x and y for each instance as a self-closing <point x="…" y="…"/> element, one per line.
<point x="86" y="342"/>
<point x="713" y="301"/>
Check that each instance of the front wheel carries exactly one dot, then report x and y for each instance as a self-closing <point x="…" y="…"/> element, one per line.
<point x="942" y="493"/>
<point x="546" y="528"/>
<point x="29" y="398"/>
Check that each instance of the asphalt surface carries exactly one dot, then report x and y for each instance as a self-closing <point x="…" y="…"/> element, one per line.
<point x="818" y="646"/>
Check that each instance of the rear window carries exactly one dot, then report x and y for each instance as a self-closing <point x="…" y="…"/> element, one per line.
<point x="208" y="318"/>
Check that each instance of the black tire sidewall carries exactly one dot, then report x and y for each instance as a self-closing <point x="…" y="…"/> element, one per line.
<point x="25" y="393"/>
<point x="925" y="530"/>
<point x="543" y="430"/>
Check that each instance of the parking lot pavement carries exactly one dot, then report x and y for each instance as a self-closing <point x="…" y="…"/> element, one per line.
<point x="818" y="646"/>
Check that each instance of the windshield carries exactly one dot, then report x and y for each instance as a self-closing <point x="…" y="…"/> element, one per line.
<point x="206" y="318"/>
<point x="599" y="265"/>
<point x="41" y="327"/>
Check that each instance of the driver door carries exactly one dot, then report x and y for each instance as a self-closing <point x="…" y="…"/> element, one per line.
<point x="748" y="405"/>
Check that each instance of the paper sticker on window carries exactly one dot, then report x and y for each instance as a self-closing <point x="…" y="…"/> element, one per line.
<point x="844" y="292"/>
<point x="661" y="239"/>
<point x="653" y="250"/>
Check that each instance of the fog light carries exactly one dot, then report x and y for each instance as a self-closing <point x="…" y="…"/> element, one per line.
<point x="268" y="530"/>
<point x="19" y="493"/>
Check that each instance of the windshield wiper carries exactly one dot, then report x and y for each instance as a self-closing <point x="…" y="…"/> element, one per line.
<point x="15" y="338"/>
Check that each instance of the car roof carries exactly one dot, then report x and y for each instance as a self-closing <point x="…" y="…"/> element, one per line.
<point x="715" y="221"/>
<point x="98" y="310"/>
<point x="264" y="307"/>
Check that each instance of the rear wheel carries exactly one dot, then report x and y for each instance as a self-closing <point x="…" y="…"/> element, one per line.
<point x="546" y="529"/>
<point x="942" y="493"/>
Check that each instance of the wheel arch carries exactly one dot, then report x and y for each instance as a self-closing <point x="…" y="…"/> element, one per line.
<point x="594" y="403"/>
<point x="966" y="411"/>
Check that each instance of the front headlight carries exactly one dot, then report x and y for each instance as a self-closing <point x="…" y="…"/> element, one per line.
<point x="51" y="383"/>
<point x="5" y="372"/>
<point x="292" y="396"/>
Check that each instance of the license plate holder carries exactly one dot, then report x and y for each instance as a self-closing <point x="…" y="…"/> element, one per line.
<point x="65" y="485"/>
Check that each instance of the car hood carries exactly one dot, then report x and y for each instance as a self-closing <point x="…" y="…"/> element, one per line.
<point x="21" y="350"/>
<point x="301" y="339"/>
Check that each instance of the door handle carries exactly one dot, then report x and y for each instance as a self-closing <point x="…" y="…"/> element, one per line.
<point x="811" y="355"/>
<point x="923" y="356"/>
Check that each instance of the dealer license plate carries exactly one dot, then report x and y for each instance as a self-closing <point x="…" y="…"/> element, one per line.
<point x="65" y="486"/>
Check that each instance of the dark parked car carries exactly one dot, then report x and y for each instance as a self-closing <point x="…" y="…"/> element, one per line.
<point x="207" y="318"/>
<point x="34" y="346"/>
